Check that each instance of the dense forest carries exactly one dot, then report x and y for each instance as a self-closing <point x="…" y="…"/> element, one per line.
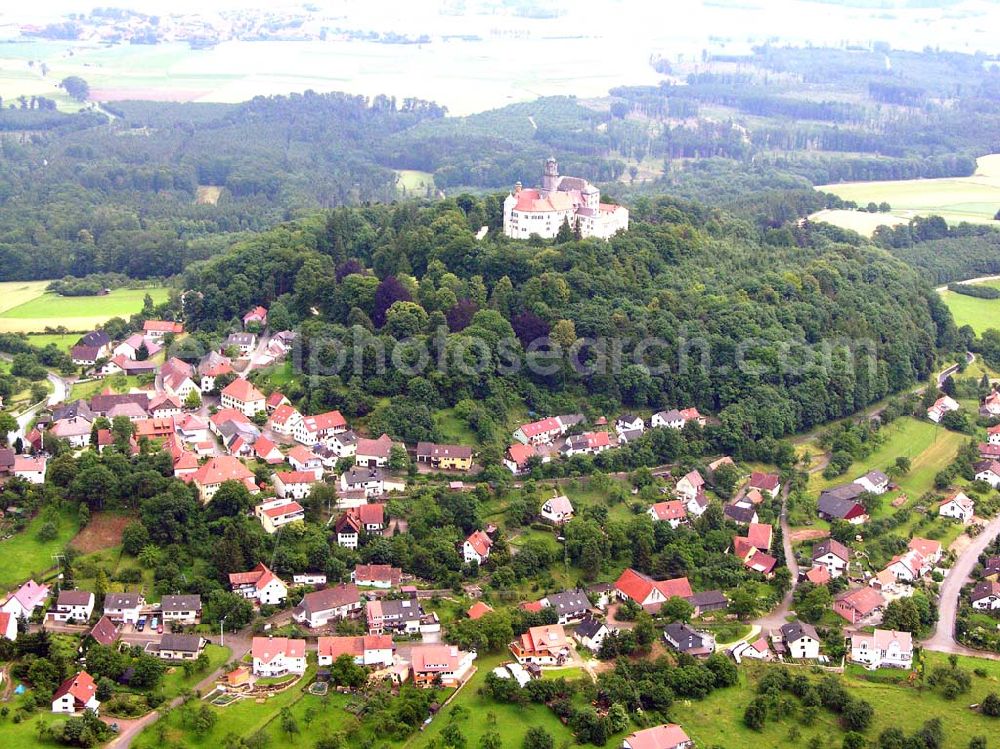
<point x="800" y="328"/>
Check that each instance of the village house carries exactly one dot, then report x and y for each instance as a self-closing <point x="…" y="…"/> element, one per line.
<point x="241" y="395"/>
<point x="758" y="650"/>
<point x="319" y="608"/>
<point x="859" y="604"/>
<point x="590" y="633"/>
<point x="991" y="569"/>
<point x="192" y="428"/>
<point x="546" y="645"/>
<point x="588" y="443"/>
<point x="958" y="506"/>
<point x="212" y="474"/>
<point x="649" y="593"/>
<point x="8" y="626"/>
<point x="697" y="504"/>
<point x="366" y="650"/>
<point x="132" y="346"/>
<point x="177" y="378"/>
<point x="373" y="453"/>
<point x="309" y="578"/>
<point x="123" y="607"/>
<point x="439" y="665"/>
<point x="343" y="444"/>
<point x="874" y="481"/>
<point x="181" y="609"/>
<point x="73" y="423"/>
<point x="31" y="468"/>
<point x="243" y="343"/>
<point x="840" y="504"/>
<point x="294" y="484"/>
<point x="445" y="457"/>
<point x="993" y="433"/>
<point x="367" y="482"/>
<point x="908" y="566"/>
<point x="765" y="483"/>
<point x="383" y="576"/>
<point x="478" y="610"/>
<point x="277" y="656"/>
<point x="311" y="430"/>
<point x="367" y="518"/>
<point x="832" y="555"/>
<point x="72" y="606"/>
<point x="800" y="639"/>
<point x="267" y="452"/>
<point x="741" y="513"/>
<point x="666" y="736"/>
<point x="179" y="647"/>
<point x="105" y="632"/>
<point x="301" y="458"/>
<point x="284" y="421"/>
<point x="683" y="638"/>
<point x="121" y="364"/>
<point x="990" y="408"/>
<point x="23" y="601"/>
<point x="988" y="471"/>
<point x="157" y="329"/>
<point x="477" y="548"/>
<point x="674" y="419"/>
<point x="93" y="346"/>
<point x="403" y="615"/>
<point x="75" y="695"/>
<point x="275" y="513"/>
<point x="256" y="316"/>
<point x="629" y="423"/>
<point x="707" y="601"/>
<point x="259" y="584"/>
<point x="883" y="648"/>
<point x="941" y="406"/>
<point x="986" y="595"/>
<point x="569" y="605"/>
<point x="164" y="406"/>
<point x="557" y="510"/>
<point x="518" y="455"/>
<point x="212" y="366"/>
<point x="689" y="486"/>
<point x="673" y="512"/>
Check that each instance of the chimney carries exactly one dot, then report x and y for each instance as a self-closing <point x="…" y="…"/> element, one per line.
<point x="517" y="187"/>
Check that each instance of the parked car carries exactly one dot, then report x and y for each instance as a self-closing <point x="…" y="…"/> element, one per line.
<point x="141" y="624"/>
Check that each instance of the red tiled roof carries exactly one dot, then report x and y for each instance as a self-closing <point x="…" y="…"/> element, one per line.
<point x="266" y="649"/>
<point x="520" y="453"/>
<point x="818" y="575"/>
<point x="81" y="687"/>
<point x="666" y="736"/>
<point x="550" y="424"/>
<point x="478" y="610"/>
<point x="243" y="391"/>
<point x="162" y="326"/>
<point x="764" y="481"/>
<point x="759" y="534"/>
<point x="329" y="420"/>
<point x="282" y="414"/>
<point x="222" y="468"/>
<point x="480" y="543"/>
<point x="671" y="510"/>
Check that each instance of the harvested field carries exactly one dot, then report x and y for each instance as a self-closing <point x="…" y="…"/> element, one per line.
<point x="104" y="531"/>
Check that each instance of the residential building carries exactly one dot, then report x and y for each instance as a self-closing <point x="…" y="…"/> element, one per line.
<point x="818" y="575"/>
<point x="666" y="736"/>
<point x="546" y="645"/>
<point x="859" y="604"/>
<point x="343" y="444"/>
<point x="650" y="593"/>
<point x="439" y="665"/>
<point x="256" y="316"/>
<point x="23" y="601"/>
<point x="741" y="513"/>
<point x="689" y="485"/>
<point x="800" y="639"/>
<point x="177" y="647"/>
<point x="518" y="455"/>
<point x="244" y="343"/>
<point x="259" y="584"/>
<point x="958" y="506"/>
<point x="942" y="406"/>
<point x="364" y="518"/>
<point x="301" y="458"/>
<point x="182" y="609"/>
<point x="673" y="512"/>
<point x="105" y="632"/>
<point x="8" y="626"/>
<point x="570" y="605"/>
<point x="874" y="481"/>
<point x="560" y="200"/>
<point x="267" y="452"/>
<point x="766" y="483"/>
<point x="540" y="432"/>
<point x="73" y="606"/>
<point x="31" y="468"/>
<point x="284" y="420"/>
<point x="557" y="510"/>
<point x="908" y="566"/>
<point x="294" y="484"/>
<point x="75" y="695"/>
<point x="883" y="648"/>
<point x="478" y="610"/>
<point x="629" y="423"/>
<point x="309" y="578"/>
<point x="404" y="615"/>
<point x="988" y="471"/>
<point x="707" y="601"/>
<point x="383" y="576"/>
<point x="164" y="406"/>
<point x="242" y="396"/>
<point x="840" y="504"/>
<point x="445" y="457"/>
<point x="277" y="656"/>
<point x="177" y="378"/>
<point x="212" y="474"/>
<point x="986" y="595"/>
<point x="320" y="607"/>
<point x="591" y="633"/>
<point x="477" y="547"/>
<point x="367" y="650"/>
<point x="685" y="639"/>
<point x="832" y="555"/>
<point x="373" y="453"/>
<point x="123" y="607"/>
<point x="157" y="329"/>
<point x="312" y="430"/>
<point x="588" y="443"/>
<point x="275" y="513"/>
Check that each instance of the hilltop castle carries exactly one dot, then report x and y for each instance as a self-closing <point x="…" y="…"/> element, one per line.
<point x="543" y="211"/>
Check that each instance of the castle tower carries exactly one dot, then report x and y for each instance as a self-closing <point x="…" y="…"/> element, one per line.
<point x="550" y="179"/>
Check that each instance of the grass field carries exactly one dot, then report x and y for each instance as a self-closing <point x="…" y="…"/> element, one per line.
<point x="24" y="555"/>
<point x="975" y="199"/>
<point x="413" y="183"/>
<point x="981" y="314"/>
<point x="63" y="342"/>
<point x="27" y="308"/>
<point x="176" y="682"/>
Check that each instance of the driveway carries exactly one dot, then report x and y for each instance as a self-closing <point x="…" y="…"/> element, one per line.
<point x="943" y="639"/>
<point x="779" y="615"/>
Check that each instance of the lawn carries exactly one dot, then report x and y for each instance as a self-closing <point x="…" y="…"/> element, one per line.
<point x="176" y="682"/>
<point x="38" y="310"/>
<point x="63" y="342"/>
<point x="955" y="199"/>
<point x="453" y="429"/>
<point x="981" y="314"/>
<point x="413" y="183"/>
<point x="117" y="383"/>
<point x="25" y="556"/>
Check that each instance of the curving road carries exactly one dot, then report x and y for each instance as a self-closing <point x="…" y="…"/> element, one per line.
<point x="943" y="639"/>
<point x="60" y="390"/>
<point x="777" y="617"/>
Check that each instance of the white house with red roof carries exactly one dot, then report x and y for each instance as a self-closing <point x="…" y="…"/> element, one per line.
<point x="440" y="665"/>
<point x="928" y="548"/>
<point x="546" y="645"/>
<point x="212" y="474"/>
<point x="958" y="506"/>
<point x="275" y="513"/>
<point x="673" y="511"/>
<point x="294" y="484"/>
<point x="258" y="315"/>
<point x="23" y="601"/>
<point x="8" y="625"/>
<point x="588" y="443"/>
<point x="301" y="458"/>
<point x="477" y="547"/>
<point x="243" y="396"/>
<point x="832" y="555"/>
<point x="539" y="432"/>
<point x="649" y="593"/>
<point x="517" y="457"/>
<point x="883" y="648"/>
<point x="988" y="471"/>
<point x="267" y="452"/>
<point x="993" y="435"/>
<point x="689" y="485"/>
<point x="76" y="694"/>
<point x="559" y="200"/>
<point x="285" y="420"/>
<point x="373" y="453"/>
<point x="557" y="510"/>
<point x="177" y="378"/>
<point x="156" y="329"/>
<point x="259" y="584"/>
<point x="366" y="650"/>
<point x="31" y="468"/>
<point x="276" y="399"/>
<point x="908" y="566"/>
<point x="766" y="483"/>
<point x="312" y="430"/>
<point x="277" y="656"/>
<point x="164" y="406"/>
<point x="318" y="608"/>
<point x="666" y="736"/>
<point x="941" y="406"/>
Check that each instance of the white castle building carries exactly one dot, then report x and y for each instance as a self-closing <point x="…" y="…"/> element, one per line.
<point x="543" y="211"/>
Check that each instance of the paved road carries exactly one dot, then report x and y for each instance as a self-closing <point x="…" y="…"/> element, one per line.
<point x="943" y="639"/>
<point x="60" y="390"/>
<point x="778" y="616"/>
